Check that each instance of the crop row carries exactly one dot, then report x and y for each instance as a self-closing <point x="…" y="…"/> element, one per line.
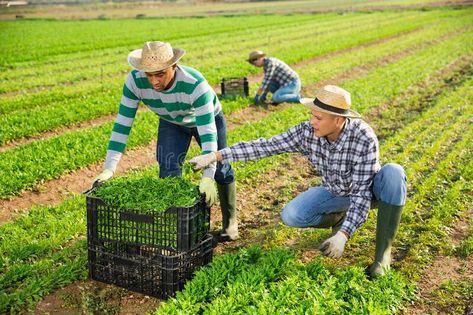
<point x="323" y="291"/>
<point x="315" y="40"/>
<point x="201" y="50"/>
<point x="66" y="110"/>
<point x="25" y="253"/>
<point x="69" y="111"/>
<point x="77" y="149"/>
<point x="179" y="33"/>
<point x="192" y="41"/>
<point x="82" y="35"/>
<point x="213" y="46"/>
<point x="231" y="291"/>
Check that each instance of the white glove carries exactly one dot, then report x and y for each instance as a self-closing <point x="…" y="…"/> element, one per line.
<point x="202" y="161"/>
<point x="333" y="246"/>
<point x="103" y="177"/>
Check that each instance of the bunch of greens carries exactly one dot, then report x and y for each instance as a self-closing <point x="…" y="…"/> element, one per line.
<point x="148" y="192"/>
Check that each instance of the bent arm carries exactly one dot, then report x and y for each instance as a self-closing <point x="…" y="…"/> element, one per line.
<point x="123" y="123"/>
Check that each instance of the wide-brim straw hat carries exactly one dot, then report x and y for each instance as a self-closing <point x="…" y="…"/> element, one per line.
<point x="255" y="55"/>
<point x="333" y="100"/>
<point x="154" y="56"/>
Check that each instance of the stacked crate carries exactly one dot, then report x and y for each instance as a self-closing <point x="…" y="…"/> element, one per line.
<point x="153" y="253"/>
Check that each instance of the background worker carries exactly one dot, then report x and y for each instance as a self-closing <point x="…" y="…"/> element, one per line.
<point x="344" y="151"/>
<point x="279" y="79"/>
<point x="187" y="107"/>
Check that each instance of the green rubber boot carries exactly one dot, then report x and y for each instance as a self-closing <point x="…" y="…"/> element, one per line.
<point x="387" y="225"/>
<point x="227" y="195"/>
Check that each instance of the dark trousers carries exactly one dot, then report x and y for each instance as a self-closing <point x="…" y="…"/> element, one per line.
<point x="174" y="142"/>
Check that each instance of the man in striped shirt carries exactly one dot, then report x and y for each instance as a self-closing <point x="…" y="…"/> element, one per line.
<point x="187" y="107"/>
<point x="279" y="79"/>
<point x="344" y="151"/>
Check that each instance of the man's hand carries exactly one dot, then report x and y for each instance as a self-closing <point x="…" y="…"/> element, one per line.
<point x="262" y="99"/>
<point x="333" y="246"/>
<point x="103" y="177"/>
<point x="202" y="161"/>
<point x="207" y="187"/>
<point x="256" y="99"/>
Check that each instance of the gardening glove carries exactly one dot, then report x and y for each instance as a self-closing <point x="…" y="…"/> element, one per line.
<point x="202" y="161"/>
<point x="333" y="246"/>
<point x="103" y="177"/>
<point x="207" y="187"/>
<point x="256" y="99"/>
<point x="262" y="98"/>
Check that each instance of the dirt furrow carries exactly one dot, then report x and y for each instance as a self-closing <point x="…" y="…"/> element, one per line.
<point x="54" y="191"/>
<point x="251" y="79"/>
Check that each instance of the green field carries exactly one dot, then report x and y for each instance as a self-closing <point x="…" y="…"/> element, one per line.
<point x="409" y="67"/>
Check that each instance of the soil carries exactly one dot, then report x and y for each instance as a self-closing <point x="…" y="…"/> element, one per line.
<point x="445" y="268"/>
<point x="257" y="201"/>
<point x="61" y="11"/>
<point x="55" y="191"/>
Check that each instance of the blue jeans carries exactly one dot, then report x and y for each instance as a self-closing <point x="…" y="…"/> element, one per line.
<point x="289" y="93"/>
<point x="308" y="208"/>
<point x="173" y="144"/>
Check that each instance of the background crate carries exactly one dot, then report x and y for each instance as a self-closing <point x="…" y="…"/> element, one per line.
<point x="234" y="87"/>
<point x="149" y="270"/>
<point x="176" y="228"/>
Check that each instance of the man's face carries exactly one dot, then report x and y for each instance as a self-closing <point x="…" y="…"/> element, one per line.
<point x="258" y="62"/>
<point x="161" y="80"/>
<point x="326" y="125"/>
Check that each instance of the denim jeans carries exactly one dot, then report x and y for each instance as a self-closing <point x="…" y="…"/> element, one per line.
<point x="308" y="208"/>
<point x="289" y="93"/>
<point x="173" y="144"/>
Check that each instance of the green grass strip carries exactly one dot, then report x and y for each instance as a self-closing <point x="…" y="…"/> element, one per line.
<point x="78" y="149"/>
<point x="45" y="275"/>
<point x="284" y="127"/>
<point x="275" y="282"/>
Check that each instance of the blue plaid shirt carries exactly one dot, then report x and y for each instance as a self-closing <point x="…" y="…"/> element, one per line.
<point x="347" y="166"/>
<point x="276" y="70"/>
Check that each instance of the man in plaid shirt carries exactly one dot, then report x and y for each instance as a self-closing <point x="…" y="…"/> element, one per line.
<point x="279" y="79"/>
<point x="345" y="152"/>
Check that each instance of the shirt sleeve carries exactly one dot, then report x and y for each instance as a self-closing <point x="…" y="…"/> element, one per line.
<point x="287" y="142"/>
<point x="364" y="171"/>
<point x="203" y="103"/>
<point x="123" y="123"/>
<point x="269" y="69"/>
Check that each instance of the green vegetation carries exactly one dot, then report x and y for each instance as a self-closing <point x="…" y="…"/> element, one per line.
<point x="410" y="74"/>
<point x="147" y="193"/>
<point x="78" y="148"/>
<point x="256" y="281"/>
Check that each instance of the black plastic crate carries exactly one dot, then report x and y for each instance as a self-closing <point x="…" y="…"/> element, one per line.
<point x="149" y="270"/>
<point x="178" y="228"/>
<point x="231" y="87"/>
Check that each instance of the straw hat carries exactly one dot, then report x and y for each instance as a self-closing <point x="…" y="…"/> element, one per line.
<point x="154" y="56"/>
<point x="333" y="100"/>
<point x="255" y="55"/>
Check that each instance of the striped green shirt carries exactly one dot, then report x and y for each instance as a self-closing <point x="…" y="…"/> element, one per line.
<point x="190" y="102"/>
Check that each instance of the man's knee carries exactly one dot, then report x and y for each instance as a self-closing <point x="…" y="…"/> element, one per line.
<point x="390" y="184"/>
<point x="289" y="216"/>
<point x="277" y="98"/>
